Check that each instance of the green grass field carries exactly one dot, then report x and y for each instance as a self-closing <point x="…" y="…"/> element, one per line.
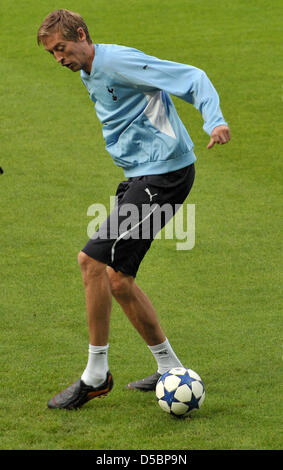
<point x="219" y="303"/>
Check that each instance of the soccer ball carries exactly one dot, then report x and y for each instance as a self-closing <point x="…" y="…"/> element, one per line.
<point x="179" y="391"/>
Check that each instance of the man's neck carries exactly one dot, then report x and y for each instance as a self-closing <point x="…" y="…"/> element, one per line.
<point x="88" y="66"/>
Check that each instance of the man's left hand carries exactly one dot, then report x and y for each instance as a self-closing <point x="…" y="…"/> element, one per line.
<point x="219" y="135"/>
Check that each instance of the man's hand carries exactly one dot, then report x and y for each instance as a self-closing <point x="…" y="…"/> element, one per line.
<point x="219" y="135"/>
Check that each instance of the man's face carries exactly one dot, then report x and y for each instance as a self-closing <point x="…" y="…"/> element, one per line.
<point x="71" y="54"/>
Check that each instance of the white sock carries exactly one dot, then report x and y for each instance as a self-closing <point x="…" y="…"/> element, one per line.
<point x="97" y="366"/>
<point x="165" y="357"/>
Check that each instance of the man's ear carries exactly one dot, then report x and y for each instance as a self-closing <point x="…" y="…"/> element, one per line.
<point x="81" y="34"/>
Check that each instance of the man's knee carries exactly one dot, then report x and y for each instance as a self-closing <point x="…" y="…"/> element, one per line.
<point x="121" y="284"/>
<point x="90" y="266"/>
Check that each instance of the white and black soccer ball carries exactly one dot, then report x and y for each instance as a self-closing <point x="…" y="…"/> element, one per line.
<point x="179" y="391"/>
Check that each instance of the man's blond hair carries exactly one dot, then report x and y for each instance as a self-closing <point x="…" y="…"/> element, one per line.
<point x="65" y="22"/>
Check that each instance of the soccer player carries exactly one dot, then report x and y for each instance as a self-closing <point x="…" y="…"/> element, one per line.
<point x="145" y="136"/>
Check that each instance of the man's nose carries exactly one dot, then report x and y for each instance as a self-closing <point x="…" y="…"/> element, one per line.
<point x="58" y="57"/>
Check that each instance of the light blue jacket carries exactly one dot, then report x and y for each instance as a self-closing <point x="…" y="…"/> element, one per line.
<point x="141" y="127"/>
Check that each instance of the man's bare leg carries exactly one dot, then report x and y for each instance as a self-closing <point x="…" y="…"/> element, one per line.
<point x="142" y="315"/>
<point x="98" y="306"/>
<point x="96" y="379"/>
<point x="98" y="298"/>
<point x="136" y="306"/>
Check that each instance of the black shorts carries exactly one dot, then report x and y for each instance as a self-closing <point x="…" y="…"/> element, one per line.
<point x="144" y="204"/>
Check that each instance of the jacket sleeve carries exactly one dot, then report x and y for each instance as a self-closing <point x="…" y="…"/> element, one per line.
<point x="189" y="83"/>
